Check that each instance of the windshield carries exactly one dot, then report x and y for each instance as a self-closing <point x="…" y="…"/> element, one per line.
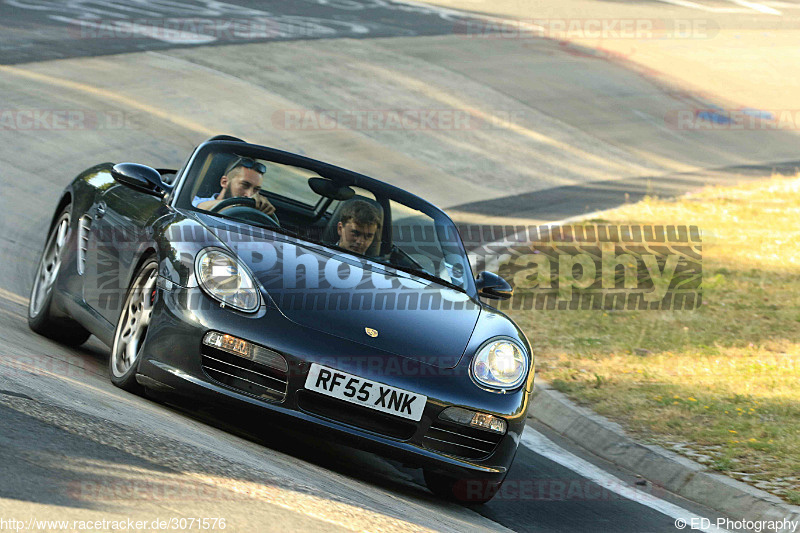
<point x="325" y="205"/>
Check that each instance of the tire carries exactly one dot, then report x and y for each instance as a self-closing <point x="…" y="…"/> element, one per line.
<point x="131" y="330"/>
<point x="463" y="491"/>
<point x="40" y="316"/>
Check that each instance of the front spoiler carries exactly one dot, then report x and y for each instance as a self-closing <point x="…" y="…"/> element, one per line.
<point x="161" y="377"/>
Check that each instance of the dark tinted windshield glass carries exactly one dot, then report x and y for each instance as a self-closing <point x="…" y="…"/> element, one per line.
<point x="243" y="184"/>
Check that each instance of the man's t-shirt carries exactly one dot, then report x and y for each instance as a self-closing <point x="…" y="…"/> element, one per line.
<point x="199" y="200"/>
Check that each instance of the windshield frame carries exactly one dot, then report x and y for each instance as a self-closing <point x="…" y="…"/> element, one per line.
<point x="339" y="175"/>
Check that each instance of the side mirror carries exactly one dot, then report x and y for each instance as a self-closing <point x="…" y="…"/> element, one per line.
<point x="493" y="286"/>
<point x="140" y="177"/>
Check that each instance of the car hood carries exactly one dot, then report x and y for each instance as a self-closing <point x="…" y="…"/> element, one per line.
<point x="354" y="298"/>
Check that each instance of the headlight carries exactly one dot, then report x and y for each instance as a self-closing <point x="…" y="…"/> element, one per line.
<point x="500" y="364"/>
<point x="227" y="280"/>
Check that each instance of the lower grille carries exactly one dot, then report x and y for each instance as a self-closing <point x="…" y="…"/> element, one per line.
<point x="460" y="441"/>
<point x="243" y="375"/>
<point x="355" y="415"/>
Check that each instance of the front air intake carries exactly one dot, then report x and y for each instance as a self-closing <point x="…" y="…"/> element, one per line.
<point x="84" y="230"/>
<point x="244" y="375"/>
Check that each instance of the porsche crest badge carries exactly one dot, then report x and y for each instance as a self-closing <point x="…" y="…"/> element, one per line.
<point x="371" y="332"/>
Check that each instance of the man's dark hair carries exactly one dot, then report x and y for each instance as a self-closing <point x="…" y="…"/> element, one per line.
<point x="245" y="162"/>
<point x="360" y="212"/>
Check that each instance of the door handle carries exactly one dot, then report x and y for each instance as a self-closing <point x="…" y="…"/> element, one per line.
<point x="101" y="210"/>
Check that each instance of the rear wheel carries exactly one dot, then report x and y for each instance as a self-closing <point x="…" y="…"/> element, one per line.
<point x="132" y="328"/>
<point x="40" y="316"/>
<point x="463" y="491"/>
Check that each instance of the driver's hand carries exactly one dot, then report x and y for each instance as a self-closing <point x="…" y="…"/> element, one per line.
<point x="263" y="205"/>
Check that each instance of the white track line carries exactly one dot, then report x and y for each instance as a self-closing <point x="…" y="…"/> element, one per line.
<point x="756" y="6"/>
<point x="782" y="5"/>
<point x="543" y="446"/>
<point x="701" y="7"/>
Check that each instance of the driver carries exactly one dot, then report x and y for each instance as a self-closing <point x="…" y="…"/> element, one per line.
<point x="243" y="177"/>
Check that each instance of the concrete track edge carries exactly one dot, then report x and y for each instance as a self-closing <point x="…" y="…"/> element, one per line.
<point x="665" y="469"/>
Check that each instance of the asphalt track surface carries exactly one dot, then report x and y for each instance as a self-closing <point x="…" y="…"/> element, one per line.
<point x="93" y="28"/>
<point x="568" y="133"/>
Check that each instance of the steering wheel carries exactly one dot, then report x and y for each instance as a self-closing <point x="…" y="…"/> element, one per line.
<point x="244" y="208"/>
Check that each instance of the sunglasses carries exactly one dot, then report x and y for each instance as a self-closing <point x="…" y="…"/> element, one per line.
<point x="247" y="162"/>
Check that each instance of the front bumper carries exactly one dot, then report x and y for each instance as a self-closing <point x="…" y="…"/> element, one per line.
<point x="172" y="360"/>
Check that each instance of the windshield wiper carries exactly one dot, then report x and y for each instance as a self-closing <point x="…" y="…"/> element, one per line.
<point x="282" y="230"/>
<point x="419" y="272"/>
<point x="424" y="274"/>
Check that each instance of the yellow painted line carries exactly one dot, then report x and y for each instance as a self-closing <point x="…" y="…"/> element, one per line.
<point x="10" y="296"/>
<point x="108" y="95"/>
<point x="498" y="121"/>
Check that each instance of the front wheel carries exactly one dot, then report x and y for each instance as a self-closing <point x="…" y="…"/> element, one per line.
<point x="40" y="316"/>
<point x="132" y="328"/>
<point x="463" y="491"/>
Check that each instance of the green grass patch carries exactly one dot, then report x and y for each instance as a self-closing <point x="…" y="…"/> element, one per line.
<point x="720" y="383"/>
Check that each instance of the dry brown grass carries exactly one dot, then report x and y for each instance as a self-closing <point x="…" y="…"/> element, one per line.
<point x="720" y="383"/>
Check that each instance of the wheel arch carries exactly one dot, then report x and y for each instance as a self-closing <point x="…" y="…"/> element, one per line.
<point x="66" y="199"/>
<point x="127" y="380"/>
<point x="130" y="275"/>
<point x="147" y="253"/>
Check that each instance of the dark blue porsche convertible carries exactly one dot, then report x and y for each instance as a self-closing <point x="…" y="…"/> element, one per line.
<point x="312" y="294"/>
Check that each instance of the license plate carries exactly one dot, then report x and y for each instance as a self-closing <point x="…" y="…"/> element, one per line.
<point x="365" y="392"/>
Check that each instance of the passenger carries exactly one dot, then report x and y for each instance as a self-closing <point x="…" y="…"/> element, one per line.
<point x="358" y="226"/>
<point x="243" y="177"/>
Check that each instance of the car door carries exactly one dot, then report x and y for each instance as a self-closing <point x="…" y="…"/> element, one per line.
<point x="120" y="232"/>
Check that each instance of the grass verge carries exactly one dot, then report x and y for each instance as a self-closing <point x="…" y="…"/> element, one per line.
<point x="721" y="383"/>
